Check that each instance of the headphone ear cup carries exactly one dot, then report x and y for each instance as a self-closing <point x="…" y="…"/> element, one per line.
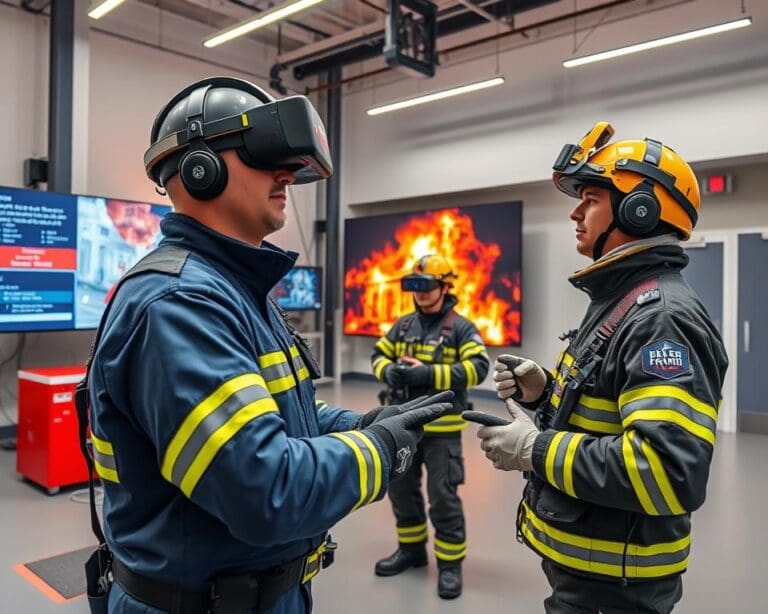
<point x="203" y="173"/>
<point x="638" y="212"/>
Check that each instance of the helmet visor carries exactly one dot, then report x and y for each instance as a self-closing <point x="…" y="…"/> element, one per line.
<point x="418" y="283"/>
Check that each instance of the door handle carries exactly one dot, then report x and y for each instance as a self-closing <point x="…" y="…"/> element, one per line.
<point x="746" y="336"/>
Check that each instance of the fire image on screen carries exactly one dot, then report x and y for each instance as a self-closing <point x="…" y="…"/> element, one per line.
<point x="300" y="289"/>
<point x="482" y="243"/>
<point x="61" y="255"/>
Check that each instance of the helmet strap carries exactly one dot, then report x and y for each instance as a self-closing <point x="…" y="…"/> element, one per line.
<point x="597" y="248"/>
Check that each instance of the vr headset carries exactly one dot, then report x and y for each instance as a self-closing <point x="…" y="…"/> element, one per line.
<point x="279" y="134"/>
<point x="418" y="282"/>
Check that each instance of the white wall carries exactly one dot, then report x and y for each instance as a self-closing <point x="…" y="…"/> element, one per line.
<point x="129" y="83"/>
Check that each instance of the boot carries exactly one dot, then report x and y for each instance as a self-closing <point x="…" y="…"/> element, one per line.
<point x="401" y="560"/>
<point x="449" y="582"/>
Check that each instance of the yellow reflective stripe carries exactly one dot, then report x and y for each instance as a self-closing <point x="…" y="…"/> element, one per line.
<point x="450" y="418"/>
<point x="281" y="384"/>
<point x="413" y="540"/>
<point x="570" y="454"/>
<point x="199" y="413"/>
<point x="634" y="475"/>
<point x="412" y="535"/>
<point x="271" y="359"/>
<point x="386" y="347"/>
<point x="608" y="569"/>
<point x="668" y="391"/>
<point x="428" y="428"/>
<point x="478" y="351"/>
<point x="472" y="379"/>
<point x="449" y="546"/>
<point x="379" y="365"/>
<point x="598" y="403"/>
<point x="604" y="545"/>
<point x="220" y="438"/>
<point x="668" y="415"/>
<point x="356" y="440"/>
<point x="608" y="428"/>
<point x="442" y="377"/>
<point x="662" y="480"/>
<point x="362" y="468"/>
<point x="450" y="557"/>
<point x="102" y="445"/>
<point x="106" y="473"/>
<point x="550" y="457"/>
<point x="418" y="528"/>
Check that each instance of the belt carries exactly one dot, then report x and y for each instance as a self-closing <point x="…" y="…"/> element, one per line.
<point x="254" y="591"/>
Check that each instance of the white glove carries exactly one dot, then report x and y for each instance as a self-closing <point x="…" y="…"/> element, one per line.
<point x="510" y="447"/>
<point x="518" y="378"/>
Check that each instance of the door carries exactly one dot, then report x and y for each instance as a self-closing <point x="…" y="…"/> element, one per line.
<point x="704" y="273"/>
<point x="752" y="400"/>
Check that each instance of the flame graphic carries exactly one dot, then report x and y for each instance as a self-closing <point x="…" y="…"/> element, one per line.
<point x="372" y="294"/>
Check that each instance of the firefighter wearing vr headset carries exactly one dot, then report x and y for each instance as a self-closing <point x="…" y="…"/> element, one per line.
<point x="618" y="456"/>
<point x="426" y="351"/>
<point x="221" y="471"/>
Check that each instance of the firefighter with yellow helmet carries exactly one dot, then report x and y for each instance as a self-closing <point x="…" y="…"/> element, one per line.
<point x="618" y="454"/>
<point x="431" y="349"/>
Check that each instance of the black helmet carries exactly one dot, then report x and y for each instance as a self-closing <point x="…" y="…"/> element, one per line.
<point x="223" y="113"/>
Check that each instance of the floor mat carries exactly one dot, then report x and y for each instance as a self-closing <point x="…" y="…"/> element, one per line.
<point x="61" y="575"/>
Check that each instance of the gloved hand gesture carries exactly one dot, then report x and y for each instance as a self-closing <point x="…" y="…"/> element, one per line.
<point x="384" y="411"/>
<point x="393" y="377"/>
<point x="510" y="447"/>
<point x="518" y="378"/>
<point x="419" y="375"/>
<point x="400" y="433"/>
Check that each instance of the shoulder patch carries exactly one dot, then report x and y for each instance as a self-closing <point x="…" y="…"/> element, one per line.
<point x="666" y="359"/>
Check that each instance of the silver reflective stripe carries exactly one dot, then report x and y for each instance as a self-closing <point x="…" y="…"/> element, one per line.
<point x="370" y="484"/>
<point x="105" y="460"/>
<point x="275" y="372"/>
<point x="669" y="403"/>
<point x="559" y="465"/>
<point x="646" y="475"/>
<point x="210" y="424"/>
<point x="598" y="415"/>
<point x="589" y="555"/>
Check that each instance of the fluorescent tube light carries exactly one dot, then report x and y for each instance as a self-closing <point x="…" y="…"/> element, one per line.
<point x="659" y="42"/>
<point x="263" y="19"/>
<point x="454" y="91"/>
<point x="102" y="8"/>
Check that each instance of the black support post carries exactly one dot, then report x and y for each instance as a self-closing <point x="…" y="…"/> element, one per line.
<point x="332" y="207"/>
<point x="60" y="94"/>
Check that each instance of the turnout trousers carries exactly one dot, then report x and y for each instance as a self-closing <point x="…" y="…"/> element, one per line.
<point x="442" y="458"/>
<point x="574" y="594"/>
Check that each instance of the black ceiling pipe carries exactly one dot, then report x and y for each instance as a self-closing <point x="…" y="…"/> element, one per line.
<point x="450" y="21"/>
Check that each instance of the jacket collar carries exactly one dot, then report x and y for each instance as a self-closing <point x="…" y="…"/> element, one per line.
<point x="448" y="304"/>
<point x="620" y="269"/>
<point x="260" y="268"/>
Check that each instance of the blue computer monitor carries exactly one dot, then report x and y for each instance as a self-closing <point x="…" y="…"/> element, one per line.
<point x="61" y="255"/>
<point x="300" y="289"/>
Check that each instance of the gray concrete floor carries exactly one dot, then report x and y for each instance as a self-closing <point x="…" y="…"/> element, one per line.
<point x="727" y="571"/>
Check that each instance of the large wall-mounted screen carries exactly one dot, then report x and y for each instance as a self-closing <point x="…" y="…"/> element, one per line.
<point x="483" y="244"/>
<point x="61" y="255"/>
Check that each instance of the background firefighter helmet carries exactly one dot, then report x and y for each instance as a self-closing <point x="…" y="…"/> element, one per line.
<point x="222" y="113"/>
<point x="654" y="183"/>
<point x="428" y="273"/>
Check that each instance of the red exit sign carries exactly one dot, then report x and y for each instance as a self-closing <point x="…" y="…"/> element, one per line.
<point x="717" y="184"/>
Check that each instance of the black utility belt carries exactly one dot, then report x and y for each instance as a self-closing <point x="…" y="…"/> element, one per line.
<point x="255" y="591"/>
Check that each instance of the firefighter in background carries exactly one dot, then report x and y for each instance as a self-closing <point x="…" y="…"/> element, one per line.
<point x="431" y="349"/>
<point x="619" y="455"/>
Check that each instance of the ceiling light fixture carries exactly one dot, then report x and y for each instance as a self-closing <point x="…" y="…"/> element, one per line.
<point x="424" y="98"/>
<point x="102" y="8"/>
<point x="263" y="19"/>
<point x="659" y="42"/>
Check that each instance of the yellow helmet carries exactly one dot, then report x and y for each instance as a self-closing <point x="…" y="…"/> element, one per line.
<point x="656" y="184"/>
<point x="428" y="273"/>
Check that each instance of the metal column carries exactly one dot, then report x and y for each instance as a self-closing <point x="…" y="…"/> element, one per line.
<point x="332" y="206"/>
<point x="61" y="76"/>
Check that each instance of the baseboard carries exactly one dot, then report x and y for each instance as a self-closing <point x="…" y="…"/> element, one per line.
<point x="753" y="422"/>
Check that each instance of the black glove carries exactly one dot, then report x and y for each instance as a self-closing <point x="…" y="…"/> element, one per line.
<point x="400" y="434"/>
<point x="384" y="411"/>
<point x="393" y="377"/>
<point x="417" y="375"/>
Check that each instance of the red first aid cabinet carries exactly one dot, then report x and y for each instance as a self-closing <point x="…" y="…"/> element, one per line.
<point x="47" y="447"/>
